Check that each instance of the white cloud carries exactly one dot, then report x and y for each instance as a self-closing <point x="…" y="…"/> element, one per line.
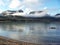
<point x="28" y="5"/>
<point x="1" y="3"/>
<point x="14" y="4"/>
<point x="45" y="7"/>
<point x="21" y="7"/>
<point x="31" y="3"/>
<point x="25" y="4"/>
<point x="1" y="11"/>
<point x="27" y="10"/>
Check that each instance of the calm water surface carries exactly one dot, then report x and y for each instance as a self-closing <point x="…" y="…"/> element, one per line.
<point x="34" y="32"/>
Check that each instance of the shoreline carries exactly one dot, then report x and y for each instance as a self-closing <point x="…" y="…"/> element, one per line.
<point x="7" y="41"/>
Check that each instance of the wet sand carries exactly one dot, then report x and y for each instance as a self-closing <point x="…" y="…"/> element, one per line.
<point x="7" y="41"/>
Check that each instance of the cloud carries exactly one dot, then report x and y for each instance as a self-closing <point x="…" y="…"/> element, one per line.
<point x="21" y="7"/>
<point x="30" y="3"/>
<point x="1" y="11"/>
<point x="1" y="3"/>
<point x="27" y="10"/>
<point x="14" y="4"/>
<point x="45" y="7"/>
<point x="26" y="5"/>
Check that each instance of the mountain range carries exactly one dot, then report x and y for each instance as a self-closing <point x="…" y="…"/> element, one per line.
<point x="36" y="15"/>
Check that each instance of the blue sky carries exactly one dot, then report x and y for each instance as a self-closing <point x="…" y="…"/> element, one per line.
<point x="52" y="6"/>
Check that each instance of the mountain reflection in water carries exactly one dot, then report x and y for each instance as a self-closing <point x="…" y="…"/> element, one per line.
<point x="33" y="32"/>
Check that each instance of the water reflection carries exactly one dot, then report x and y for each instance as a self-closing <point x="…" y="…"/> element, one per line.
<point x="34" y="32"/>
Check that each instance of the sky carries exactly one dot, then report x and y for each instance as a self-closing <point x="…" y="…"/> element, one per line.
<point x="51" y="6"/>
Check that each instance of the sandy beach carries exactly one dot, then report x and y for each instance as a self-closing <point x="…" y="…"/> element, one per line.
<point x="7" y="41"/>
